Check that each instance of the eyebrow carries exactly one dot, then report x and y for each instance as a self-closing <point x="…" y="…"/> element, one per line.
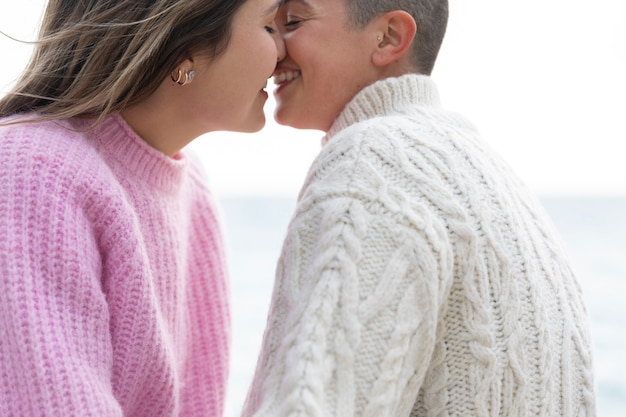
<point x="299" y="1"/>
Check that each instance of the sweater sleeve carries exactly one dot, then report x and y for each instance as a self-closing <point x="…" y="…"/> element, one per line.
<point x="55" y="347"/>
<point x="353" y="323"/>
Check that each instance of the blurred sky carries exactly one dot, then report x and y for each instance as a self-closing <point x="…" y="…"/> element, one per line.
<point x="544" y="80"/>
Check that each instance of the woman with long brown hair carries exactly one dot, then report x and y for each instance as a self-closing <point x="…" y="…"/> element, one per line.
<point x="113" y="286"/>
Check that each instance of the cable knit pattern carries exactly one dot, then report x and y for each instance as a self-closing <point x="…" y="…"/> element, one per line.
<point x="419" y="277"/>
<point x="113" y="288"/>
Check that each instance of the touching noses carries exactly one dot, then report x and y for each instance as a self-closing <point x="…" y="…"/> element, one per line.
<point x="280" y="46"/>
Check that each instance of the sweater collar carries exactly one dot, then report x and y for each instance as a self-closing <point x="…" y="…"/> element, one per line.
<point x="138" y="159"/>
<point x="384" y="97"/>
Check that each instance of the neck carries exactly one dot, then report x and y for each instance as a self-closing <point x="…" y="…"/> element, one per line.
<point x="156" y="128"/>
<point x="161" y="120"/>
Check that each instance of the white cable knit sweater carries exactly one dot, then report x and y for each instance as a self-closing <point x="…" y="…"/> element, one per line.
<point x="419" y="277"/>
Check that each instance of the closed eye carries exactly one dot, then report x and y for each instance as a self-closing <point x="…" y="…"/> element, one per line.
<point x="292" y="23"/>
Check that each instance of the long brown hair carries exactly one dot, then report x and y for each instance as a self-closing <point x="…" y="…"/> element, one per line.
<point x="95" y="57"/>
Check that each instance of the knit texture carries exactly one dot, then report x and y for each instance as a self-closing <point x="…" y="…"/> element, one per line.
<point x="113" y="289"/>
<point x="419" y="277"/>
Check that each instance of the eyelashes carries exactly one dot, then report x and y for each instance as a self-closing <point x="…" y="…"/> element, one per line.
<point x="292" y="22"/>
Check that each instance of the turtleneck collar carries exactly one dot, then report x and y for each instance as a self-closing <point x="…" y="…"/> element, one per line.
<point x="388" y="96"/>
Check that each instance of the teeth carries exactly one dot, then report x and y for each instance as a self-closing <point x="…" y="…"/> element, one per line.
<point x="286" y="76"/>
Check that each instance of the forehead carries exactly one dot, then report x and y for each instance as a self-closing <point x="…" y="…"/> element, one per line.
<point x="317" y="7"/>
<point x="262" y="7"/>
<point x="273" y="6"/>
<point x="315" y="4"/>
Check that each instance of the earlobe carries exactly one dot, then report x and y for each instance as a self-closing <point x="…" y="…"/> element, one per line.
<point x="396" y="33"/>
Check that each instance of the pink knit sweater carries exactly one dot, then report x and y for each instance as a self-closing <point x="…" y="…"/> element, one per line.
<point x="113" y="288"/>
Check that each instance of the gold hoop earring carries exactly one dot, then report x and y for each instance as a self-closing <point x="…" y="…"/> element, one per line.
<point x="188" y="77"/>
<point x="178" y="78"/>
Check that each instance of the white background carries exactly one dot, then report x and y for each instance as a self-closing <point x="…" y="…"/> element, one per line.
<point x="544" y="80"/>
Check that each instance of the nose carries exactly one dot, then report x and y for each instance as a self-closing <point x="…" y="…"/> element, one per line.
<point x="280" y="46"/>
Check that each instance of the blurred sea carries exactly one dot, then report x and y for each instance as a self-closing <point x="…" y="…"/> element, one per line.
<point x="594" y="231"/>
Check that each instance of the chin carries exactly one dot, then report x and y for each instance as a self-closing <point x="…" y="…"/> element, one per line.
<point x="252" y="125"/>
<point x="285" y="118"/>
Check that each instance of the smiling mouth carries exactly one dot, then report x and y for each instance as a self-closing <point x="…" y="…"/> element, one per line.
<point x="286" y="76"/>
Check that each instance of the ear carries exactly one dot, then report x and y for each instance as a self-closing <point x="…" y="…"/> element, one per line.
<point x="396" y="31"/>
<point x="184" y="72"/>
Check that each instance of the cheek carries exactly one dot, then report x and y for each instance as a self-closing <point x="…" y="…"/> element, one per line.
<point x="259" y="53"/>
<point x="267" y="54"/>
<point x="293" y="47"/>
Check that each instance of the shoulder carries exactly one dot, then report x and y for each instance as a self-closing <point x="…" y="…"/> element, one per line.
<point x="51" y="159"/>
<point x="398" y="167"/>
<point x="425" y="125"/>
<point x="392" y="146"/>
<point x="54" y="143"/>
<point x="199" y="184"/>
<point x="367" y="157"/>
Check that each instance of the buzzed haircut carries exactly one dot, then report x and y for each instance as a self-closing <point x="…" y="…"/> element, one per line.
<point x="431" y="18"/>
